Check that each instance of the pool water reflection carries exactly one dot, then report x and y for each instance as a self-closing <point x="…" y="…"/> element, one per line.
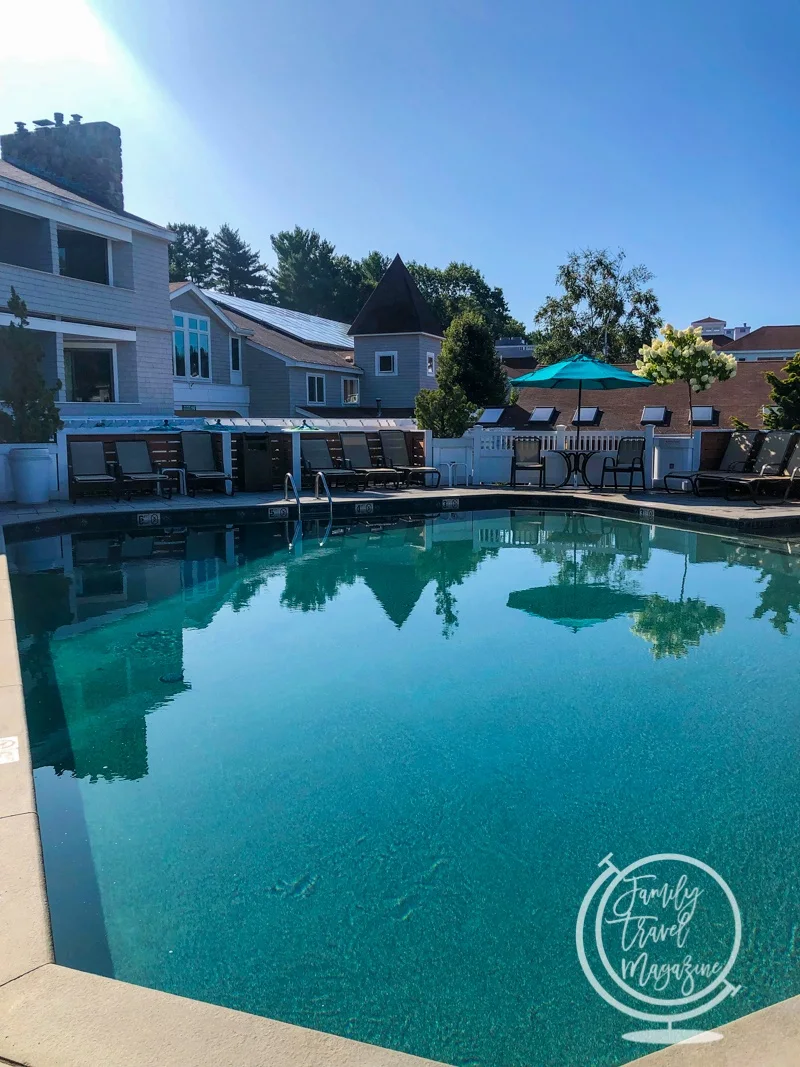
<point x="364" y="786"/>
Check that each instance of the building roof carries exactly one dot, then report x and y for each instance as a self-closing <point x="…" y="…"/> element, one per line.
<point x="708" y="318"/>
<point x="767" y="339"/>
<point x="396" y="306"/>
<point x="369" y="414"/>
<point x="8" y="172"/>
<point x="292" y="349"/>
<point x="742" y="396"/>
<point x="309" y="328"/>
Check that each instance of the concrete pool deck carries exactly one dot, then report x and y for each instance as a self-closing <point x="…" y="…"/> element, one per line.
<point x="53" y="1016"/>
<point x="775" y="520"/>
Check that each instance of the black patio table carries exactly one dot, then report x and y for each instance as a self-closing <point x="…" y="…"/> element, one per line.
<point x="576" y="460"/>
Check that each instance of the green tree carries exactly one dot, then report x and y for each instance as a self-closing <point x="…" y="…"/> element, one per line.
<point x="672" y="627"/>
<point x="447" y="413"/>
<point x="470" y="361"/>
<point x="461" y="287"/>
<point x="307" y="275"/>
<point x="238" y="270"/>
<point x="33" y="413"/>
<point x="191" y="254"/>
<point x="783" y="412"/>
<point x="604" y="310"/>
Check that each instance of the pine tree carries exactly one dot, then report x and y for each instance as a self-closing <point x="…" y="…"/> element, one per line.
<point x="191" y="254"/>
<point x="34" y="416"/>
<point x="470" y="361"/>
<point x="784" y="407"/>
<point x="238" y="270"/>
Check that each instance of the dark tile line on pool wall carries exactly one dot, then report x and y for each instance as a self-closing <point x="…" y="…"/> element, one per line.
<point x="200" y="514"/>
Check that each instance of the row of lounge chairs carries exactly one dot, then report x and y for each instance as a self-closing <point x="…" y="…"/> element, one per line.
<point x="753" y="462"/>
<point x="133" y="469"/>
<point x="357" y="469"/>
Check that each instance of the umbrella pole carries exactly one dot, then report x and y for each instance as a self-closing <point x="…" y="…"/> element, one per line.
<point x="577" y="435"/>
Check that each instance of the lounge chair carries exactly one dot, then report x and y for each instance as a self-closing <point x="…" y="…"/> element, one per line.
<point x="768" y="463"/>
<point x="738" y="456"/>
<point x="136" y="469"/>
<point x="357" y="458"/>
<point x="791" y="473"/>
<point x="527" y="456"/>
<point x="628" y="460"/>
<point x="395" y="454"/>
<point x="315" y="456"/>
<point x="89" y="467"/>
<point x="199" y="463"/>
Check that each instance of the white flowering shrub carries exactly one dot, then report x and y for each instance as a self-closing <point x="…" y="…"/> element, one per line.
<point x="683" y="356"/>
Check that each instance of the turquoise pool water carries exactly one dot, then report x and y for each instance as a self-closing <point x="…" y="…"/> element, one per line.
<point x="364" y="786"/>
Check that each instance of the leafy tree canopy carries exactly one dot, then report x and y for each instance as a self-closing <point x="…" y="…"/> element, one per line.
<point x="604" y="310"/>
<point x="33" y="413"/>
<point x="191" y="255"/>
<point x="469" y="361"/>
<point x="461" y="287"/>
<point x="447" y="413"/>
<point x="784" y="406"/>
<point x="238" y="270"/>
<point x="311" y="276"/>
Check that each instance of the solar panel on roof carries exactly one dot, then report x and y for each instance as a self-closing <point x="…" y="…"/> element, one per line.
<point x="294" y="323"/>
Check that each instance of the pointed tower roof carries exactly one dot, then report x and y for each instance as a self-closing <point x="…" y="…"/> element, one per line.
<point x="396" y="306"/>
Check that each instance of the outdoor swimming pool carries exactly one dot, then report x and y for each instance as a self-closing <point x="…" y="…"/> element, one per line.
<point x="364" y="786"/>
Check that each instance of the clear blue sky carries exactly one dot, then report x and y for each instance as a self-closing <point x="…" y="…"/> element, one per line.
<point x="501" y="133"/>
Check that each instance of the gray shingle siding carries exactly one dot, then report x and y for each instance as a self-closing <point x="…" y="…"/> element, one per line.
<point x="395" y="390"/>
<point x="268" y="380"/>
<point x="154" y="370"/>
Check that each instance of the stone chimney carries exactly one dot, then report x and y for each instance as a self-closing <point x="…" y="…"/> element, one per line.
<point x="85" y="158"/>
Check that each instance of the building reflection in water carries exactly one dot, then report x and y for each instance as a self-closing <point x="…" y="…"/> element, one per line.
<point x="87" y="711"/>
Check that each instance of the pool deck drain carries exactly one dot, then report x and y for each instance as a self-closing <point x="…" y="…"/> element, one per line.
<point x="53" y="1016"/>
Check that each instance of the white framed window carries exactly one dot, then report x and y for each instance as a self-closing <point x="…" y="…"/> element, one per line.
<point x="90" y="374"/>
<point x="350" y="391"/>
<point x="191" y="347"/>
<point x="236" y="361"/>
<point x="431" y="361"/>
<point x="490" y="416"/>
<point x="315" y="388"/>
<point x="385" y="363"/>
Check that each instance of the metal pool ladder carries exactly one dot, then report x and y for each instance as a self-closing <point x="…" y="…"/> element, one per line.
<point x="322" y="480"/>
<point x="298" y="526"/>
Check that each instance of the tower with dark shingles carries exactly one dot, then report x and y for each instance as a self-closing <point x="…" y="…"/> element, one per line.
<point x="397" y="339"/>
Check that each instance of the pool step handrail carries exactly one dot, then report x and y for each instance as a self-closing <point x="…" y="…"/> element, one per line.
<point x="323" y="481"/>
<point x="298" y="526"/>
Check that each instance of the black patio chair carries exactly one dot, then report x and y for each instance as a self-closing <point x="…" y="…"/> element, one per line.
<point x="628" y="460"/>
<point x="527" y="456"/>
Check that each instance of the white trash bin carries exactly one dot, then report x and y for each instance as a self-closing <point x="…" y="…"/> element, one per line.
<point x="30" y="474"/>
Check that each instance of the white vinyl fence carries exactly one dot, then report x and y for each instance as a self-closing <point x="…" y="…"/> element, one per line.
<point x="483" y="456"/>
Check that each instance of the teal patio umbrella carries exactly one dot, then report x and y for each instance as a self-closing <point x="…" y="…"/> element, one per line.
<point x="581" y="372"/>
<point x="576" y="606"/>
